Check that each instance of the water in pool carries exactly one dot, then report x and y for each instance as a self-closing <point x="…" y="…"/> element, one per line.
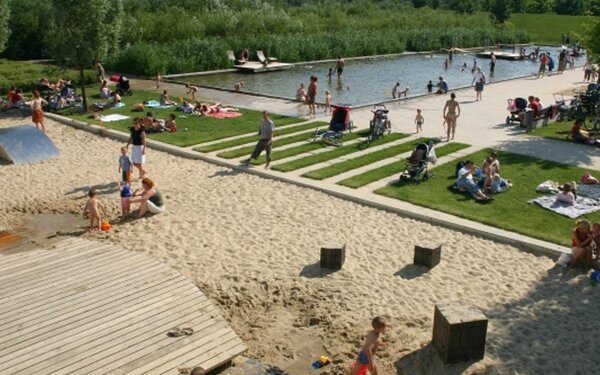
<point x="370" y="81"/>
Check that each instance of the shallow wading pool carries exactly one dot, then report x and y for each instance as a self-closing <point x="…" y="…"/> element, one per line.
<point x="370" y="81"/>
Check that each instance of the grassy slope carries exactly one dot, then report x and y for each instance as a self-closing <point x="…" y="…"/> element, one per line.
<point x="509" y="210"/>
<point x="394" y="168"/>
<point x="200" y="129"/>
<point x="548" y="28"/>
<point x="253" y="138"/>
<point x="335" y="153"/>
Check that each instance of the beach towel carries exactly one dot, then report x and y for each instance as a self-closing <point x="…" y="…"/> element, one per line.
<point x="119" y="105"/>
<point x="222" y="115"/>
<point x="590" y="191"/>
<point x="582" y="207"/>
<point x="113" y="118"/>
<point x="548" y="187"/>
<point x="156" y="104"/>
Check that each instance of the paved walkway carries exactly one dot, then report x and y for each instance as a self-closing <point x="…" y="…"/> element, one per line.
<point x="482" y="124"/>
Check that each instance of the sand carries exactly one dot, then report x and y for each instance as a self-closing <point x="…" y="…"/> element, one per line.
<point x="252" y="245"/>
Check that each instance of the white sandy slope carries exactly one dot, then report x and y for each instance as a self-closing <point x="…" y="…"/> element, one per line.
<point x="252" y="245"/>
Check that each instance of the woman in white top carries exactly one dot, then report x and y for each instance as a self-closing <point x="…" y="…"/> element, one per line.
<point x="478" y="81"/>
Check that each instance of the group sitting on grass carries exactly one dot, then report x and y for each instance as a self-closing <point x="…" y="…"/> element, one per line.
<point x="154" y="125"/>
<point x="481" y="182"/>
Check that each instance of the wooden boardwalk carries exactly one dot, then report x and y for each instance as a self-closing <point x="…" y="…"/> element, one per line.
<point x="83" y="307"/>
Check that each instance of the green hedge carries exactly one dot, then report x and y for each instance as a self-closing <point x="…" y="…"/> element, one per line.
<point x="192" y="55"/>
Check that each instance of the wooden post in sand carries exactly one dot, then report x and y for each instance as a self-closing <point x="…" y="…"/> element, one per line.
<point x="427" y="254"/>
<point x="333" y="256"/>
<point x="459" y="332"/>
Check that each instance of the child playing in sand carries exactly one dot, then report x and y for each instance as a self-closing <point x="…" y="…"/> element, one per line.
<point x="327" y="101"/>
<point x="126" y="195"/>
<point x="419" y="120"/>
<point x="125" y="165"/>
<point x="92" y="208"/>
<point x="366" y="358"/>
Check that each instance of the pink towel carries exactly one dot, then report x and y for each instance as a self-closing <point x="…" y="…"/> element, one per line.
<point x="222" y="115"/>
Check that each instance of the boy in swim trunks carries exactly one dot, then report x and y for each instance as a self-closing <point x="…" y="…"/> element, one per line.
<point x="366" y="358"/>
<point x="419" y="120"/>
<point x="92" y="209"/>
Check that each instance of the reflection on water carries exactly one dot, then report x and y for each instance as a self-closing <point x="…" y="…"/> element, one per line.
<point x="372" y="80"/>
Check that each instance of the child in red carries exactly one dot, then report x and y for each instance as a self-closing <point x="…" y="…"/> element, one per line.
<point x="366" y="358"/>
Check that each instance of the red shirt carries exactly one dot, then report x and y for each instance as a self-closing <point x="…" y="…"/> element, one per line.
<point x="536" y="108"/>
<point x="575" y="131"/>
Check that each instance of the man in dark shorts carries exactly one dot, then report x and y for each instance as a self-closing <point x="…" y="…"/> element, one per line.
<point x="492" y="63"/>
<point x="340" y="67"/>
<point x="265" y="143"/>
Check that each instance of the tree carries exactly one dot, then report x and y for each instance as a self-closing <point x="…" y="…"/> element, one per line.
<point x="500" y="10"/>
<point x="84" y="32"/>
<point x="591" y="39"/>
<point x="419" y="3"/>
<point x="27" y="18"/>
<point x="573" y="7"/>
<point x="4" y="30"/>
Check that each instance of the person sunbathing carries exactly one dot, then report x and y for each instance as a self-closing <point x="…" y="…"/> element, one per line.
<point x="206" y="109"/>
<point x="105" y="91"/>
<point x="44" y="82"/>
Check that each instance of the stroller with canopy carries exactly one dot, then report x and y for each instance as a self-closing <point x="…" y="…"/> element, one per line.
<point x="340" y="122"/>
<point x="515" y="106"/>
<point x="123" y="86"/>
<point x="416" y="169"/>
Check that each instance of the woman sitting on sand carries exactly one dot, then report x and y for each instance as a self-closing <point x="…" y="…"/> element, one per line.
<point x="150" y="199"/>
<point x="582" y="244"/>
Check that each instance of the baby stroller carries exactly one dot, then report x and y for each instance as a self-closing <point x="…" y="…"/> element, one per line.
<point x="515" y="106"/>
<point x="123" y="87"/>
<point x="380" y="123"/>
<point x="416" y="169"/>
<point x="340" y="122"/>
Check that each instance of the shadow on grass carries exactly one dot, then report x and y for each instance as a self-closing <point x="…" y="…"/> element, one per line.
<point x="314" y="270"/>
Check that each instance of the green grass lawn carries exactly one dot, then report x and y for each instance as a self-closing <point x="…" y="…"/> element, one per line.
<point x="335" y="153"/>
<point x="557" y="131"/>
<point x="254" y="138"/>
<point x="394" y="168"/>
<point x="348" y="165"/>
<point x="307" y="147"/>
<point x="548" y="28"/>
<point x="200" y="129"/>
<point x="236" y="153"/>
<point x="508" y="210"/>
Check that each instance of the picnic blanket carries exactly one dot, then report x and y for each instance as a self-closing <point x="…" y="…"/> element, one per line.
<point x="222" y="115"/>
<point x="590" y="191"/>
<point x="583" y="206"/>
<point x="113" y="118"/>
<point x="156" y="104"/>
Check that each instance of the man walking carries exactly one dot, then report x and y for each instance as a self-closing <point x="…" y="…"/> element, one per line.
<point x="265" y="132"/>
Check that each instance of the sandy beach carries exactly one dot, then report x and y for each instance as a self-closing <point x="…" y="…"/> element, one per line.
<point x="252" y="245"/>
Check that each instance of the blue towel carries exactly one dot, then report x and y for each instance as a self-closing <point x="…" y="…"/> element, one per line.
<point x="156" y="104"/>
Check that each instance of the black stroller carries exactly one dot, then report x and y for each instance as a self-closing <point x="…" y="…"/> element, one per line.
<point x="416" y="169"/>
<point x="515" y="106"/>
<point x="123" y="87"/>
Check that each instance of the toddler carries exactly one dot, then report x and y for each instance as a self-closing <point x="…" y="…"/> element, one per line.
<point x="566" y="196"/>
<point x="126" y="195"/>
<point x="499" y="184"/>
<point x="327" y="101"/>
<point x="365" y="361"/>
<point x="92" y="209"/>
<point x="125" y="165"/>
<point x="419" y="120"/>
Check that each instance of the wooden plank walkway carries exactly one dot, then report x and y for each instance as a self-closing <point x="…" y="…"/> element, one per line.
<point x="83" y="307"/>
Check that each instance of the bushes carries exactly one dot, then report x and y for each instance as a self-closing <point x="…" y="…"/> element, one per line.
<point x="208" y="54"/>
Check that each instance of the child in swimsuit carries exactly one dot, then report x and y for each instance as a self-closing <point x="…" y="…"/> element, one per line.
<point x="365" y="361"/>
<point x="419" y="120"/>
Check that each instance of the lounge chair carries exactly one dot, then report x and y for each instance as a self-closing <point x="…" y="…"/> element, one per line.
<point x="234" y="61"/>
<point x="263" y="59"/>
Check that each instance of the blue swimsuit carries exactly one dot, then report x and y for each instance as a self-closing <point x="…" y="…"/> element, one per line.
<point x="363" y="359"/>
